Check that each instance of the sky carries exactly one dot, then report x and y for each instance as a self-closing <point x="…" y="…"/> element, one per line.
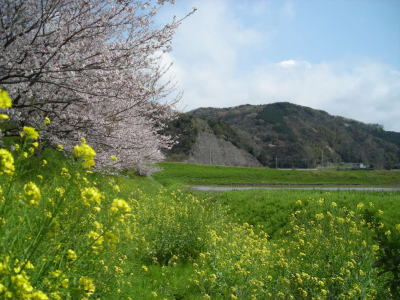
<point x="341" y="56"/>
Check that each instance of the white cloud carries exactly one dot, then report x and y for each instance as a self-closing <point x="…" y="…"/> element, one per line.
<point x="208" y="56"/>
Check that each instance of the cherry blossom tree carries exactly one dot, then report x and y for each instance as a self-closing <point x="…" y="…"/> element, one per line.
<point x="92" y="67"/>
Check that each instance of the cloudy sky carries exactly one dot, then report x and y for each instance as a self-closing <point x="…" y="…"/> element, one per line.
<point x="341" y="56"/>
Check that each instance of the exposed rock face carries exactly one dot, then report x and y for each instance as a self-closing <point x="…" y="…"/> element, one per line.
<point x="210" y="150"/>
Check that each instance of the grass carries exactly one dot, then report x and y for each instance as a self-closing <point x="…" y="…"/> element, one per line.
<point x="190" y="174"/>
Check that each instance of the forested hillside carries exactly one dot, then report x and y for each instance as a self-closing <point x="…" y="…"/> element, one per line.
<point x="286" y="135"/>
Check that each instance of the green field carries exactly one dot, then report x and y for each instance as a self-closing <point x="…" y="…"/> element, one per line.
<point x="272" y="208"/>
<point x="191" y="174"/>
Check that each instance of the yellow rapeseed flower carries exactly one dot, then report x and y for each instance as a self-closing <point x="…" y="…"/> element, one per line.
<point x="38" y="295"/>
<point x="71" y="255"/>
<point x="87" y="164"/>
<point x="32" y="193"/>
<point x="91" y="195"/>
<point x="120" y="205"/>
<point x="65" y="283"/>
<point x="30" y="133"/>
<point x="113" y="158"/>
<point x="60" y="148"/>
<point x="5" y="100"/>
<point x="47" y="121"/>
<point x="87" y="285"/>
<point x="86" y="153"/>
<point x="4" y="117"/>
<point x="56" y="273"/>
<point x="6" y="162"/>
<point x="22" y="284"/>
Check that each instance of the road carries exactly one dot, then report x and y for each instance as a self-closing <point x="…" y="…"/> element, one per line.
<point x="204" y="188"/>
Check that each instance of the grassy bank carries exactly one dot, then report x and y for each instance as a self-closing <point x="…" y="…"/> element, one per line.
<point x="190" y="174"/>
<point x="69" y="233"/>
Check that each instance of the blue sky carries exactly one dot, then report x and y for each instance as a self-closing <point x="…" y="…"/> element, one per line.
<point x="342" y="56"/>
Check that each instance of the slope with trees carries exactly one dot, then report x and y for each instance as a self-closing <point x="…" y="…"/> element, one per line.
<point x="287" y="135"/>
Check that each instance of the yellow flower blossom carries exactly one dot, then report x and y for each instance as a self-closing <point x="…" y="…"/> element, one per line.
<point x="32" y="193"/>
<point x="46" y="121"/>
<point x="93" y="235"/>
<point x="56" y="273"/>
<point x="30" y="133"/>
<point x="91" y="195"/>
<point x="5" y="100"/>
<point x="120" y="205"/>
<point x="4" y="117"/>
<point x="38" y="295"/>
<point x="87" y="285"/>
<point x="71" y="255"/>
<point x="65" y="173"/>
<point x="86" y="153"/>
<point x="113" y="158"/>
<point x="65" y="283"/>
<point x="22" y="284"/>
<point x="60" y="148"/>
<point x="6" y="162"/>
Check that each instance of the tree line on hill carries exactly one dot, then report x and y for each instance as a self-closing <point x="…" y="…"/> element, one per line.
<point x="286" y="135"/>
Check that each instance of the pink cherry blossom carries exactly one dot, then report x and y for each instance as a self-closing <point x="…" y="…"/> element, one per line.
<point x="93" y="68"/>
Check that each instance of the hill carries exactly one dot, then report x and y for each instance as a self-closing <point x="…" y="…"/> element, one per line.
<point x="281" y="135"/>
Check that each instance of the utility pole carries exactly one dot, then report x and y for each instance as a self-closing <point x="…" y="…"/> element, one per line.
<point x="322" y="157"/>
